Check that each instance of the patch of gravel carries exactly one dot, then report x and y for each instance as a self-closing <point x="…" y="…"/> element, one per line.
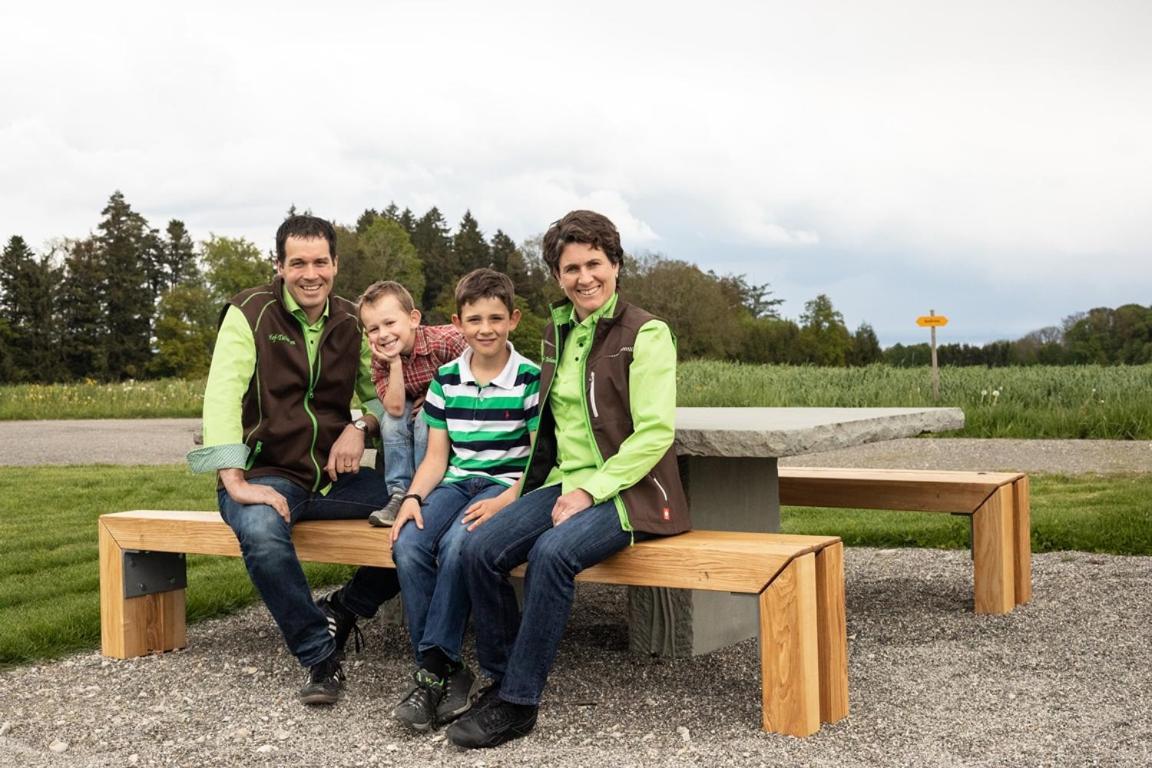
<point x="1065" y="680"/>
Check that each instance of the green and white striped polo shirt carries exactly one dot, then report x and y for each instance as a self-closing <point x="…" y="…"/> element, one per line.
<point x="488" y="425"/>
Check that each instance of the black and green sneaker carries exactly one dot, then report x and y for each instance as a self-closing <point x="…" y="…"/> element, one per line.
<point x="325" y="682"/>
<point x="417" y="709"/>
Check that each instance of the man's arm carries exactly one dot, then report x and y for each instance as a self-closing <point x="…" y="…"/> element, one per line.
<point x="233" y="364"/>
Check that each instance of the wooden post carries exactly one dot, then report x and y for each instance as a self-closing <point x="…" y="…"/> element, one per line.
<point x="789" y="652"/>
<point x="935" y="368"/>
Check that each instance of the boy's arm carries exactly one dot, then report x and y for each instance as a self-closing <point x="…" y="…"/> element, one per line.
<point x="393" y="401"/>
<point x="428" y="476"/>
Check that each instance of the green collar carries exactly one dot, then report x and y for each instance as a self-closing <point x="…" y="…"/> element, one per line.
<point x="298" y="313"/>
<point x="607" y="308"/>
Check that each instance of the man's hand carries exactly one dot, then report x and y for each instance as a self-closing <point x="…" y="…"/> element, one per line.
<point x="569" y="504"/>
<point x="244" y="492"/>
<point x="479" y="512"/>
<point x="344" y="458"/>
<point x="409" y="510"/>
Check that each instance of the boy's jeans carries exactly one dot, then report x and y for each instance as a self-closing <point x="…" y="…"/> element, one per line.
<point x="266" y="544"/>
<point x="518" y="652"/>
<point x="403" y="441"/>
<point x="429" y="566"/>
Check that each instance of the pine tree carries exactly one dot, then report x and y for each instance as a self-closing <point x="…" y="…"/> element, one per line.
<point x="27" y="302"/>
<point x="434" y="248"/>
<point x="180" y="263"/>
<point x="471" y="249"/>
<point x="127" y="247"/>
<point x="82" y="316"/>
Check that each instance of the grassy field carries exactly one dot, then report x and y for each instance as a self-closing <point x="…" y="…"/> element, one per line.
<point x="49" y="599"/>
<point x="1088" y="401"/>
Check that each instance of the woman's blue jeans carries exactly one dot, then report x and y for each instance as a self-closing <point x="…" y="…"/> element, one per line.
<point x="430" y="570"/>
<point x="266" y="544"/>
<point x="519" y="651"/>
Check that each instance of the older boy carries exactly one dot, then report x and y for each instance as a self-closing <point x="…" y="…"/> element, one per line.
<point x="405" y="355"/>
<point x="481" y="411"/>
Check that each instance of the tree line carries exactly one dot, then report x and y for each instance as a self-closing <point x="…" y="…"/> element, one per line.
<point x="1105" y="336"/>
<point x="130" y="301"/>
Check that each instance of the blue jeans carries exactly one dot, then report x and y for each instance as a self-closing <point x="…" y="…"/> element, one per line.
<point x="266" y="544"/>
<point x="518" y="652"/>
<point x="429" y="567"/>
<point x="403" y="441"/>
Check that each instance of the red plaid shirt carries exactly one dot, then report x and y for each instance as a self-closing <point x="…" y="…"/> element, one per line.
<point x="434" y="346"/>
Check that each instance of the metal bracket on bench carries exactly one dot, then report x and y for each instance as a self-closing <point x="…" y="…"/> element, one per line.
<point x="147" y="573"/>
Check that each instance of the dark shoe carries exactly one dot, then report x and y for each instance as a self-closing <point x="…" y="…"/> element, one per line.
<point x="417" y="709"/>
<point x="325" y="682"/>
<point x="489" y="695"/>
<point x="459" y="688"/>
<point x="493" y="725"/>
<point x="341" y="622"/>
<point x="386" y="515"/>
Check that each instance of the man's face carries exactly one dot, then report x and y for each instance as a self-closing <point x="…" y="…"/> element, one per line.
<point x="485" y="324"/>
<point x="308" y="270"/>
<point x="391" y="330"/>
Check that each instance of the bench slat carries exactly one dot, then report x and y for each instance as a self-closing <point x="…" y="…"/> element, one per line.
<point x="911" y="490"/>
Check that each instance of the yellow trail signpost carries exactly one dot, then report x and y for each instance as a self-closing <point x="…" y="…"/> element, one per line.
<point x="933" y="321"/>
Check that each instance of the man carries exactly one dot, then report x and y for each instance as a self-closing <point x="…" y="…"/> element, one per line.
<point x="278" y="431"/>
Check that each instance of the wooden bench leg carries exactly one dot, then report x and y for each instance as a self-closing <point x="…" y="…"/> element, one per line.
<point x="1022" y="528"/>
<point x="134" y="626"/>
<point x="789" y="667"/>
<point x="994" y="553"/>
<point x="832" y="633"/>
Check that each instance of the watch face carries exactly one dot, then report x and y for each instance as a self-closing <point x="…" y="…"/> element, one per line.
<point x="361" y="425"/>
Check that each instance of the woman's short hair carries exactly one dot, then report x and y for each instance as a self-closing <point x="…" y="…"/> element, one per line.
<point x="587" y="227"/>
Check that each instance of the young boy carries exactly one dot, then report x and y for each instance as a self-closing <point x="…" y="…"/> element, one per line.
<point x="481" y="412"/>
<point x="405" y="355"/>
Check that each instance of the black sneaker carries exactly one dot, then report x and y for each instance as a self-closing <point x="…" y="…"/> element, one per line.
<point x="386" y="515"/>
<point x="493" y="725"/>
<point x="325" y="682"/>
<point x="459" y="688"/>
<point x="341" y="622"/>
<point x="417" y="709"/>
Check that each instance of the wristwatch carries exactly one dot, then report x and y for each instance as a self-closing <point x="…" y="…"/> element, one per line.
<point x="361" y="425"/>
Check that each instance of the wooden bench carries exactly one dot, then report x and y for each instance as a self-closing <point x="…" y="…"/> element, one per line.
<point x="997" y="503"/>
<point x="799" y="581"/>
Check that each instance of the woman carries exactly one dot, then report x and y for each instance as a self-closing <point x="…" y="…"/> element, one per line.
<point x="602" y="474"/>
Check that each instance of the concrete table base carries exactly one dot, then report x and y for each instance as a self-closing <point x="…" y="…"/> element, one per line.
<point x="724" y="494"/>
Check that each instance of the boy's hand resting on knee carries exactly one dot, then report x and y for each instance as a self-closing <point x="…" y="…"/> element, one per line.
<point x="482" y="510"/>
<point x="571" y="503"/>
<point x="409" y="510"/>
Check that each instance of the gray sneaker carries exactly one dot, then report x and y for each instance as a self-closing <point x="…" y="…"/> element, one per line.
<point x="417" y="709"/>
<point x="459" y="689"/>
<point x="386" y="515"/>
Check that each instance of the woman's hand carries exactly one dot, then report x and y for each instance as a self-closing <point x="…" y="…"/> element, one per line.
<point x="569" y="504"/>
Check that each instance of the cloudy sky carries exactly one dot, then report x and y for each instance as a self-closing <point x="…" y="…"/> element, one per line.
<point x="990" y="160"/>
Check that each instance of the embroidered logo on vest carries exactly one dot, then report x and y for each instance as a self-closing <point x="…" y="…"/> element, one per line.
<point x="279" y="337"/>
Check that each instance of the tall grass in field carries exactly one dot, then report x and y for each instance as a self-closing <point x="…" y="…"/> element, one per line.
<point x="162" y="398"/>
<point x="1089" y="401"/>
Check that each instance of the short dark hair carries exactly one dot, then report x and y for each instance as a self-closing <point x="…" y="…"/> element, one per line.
<point x="485" y="283"/>
<point x="306" y="227"/>
<point x="382" y="288"/>
<point x="588" y="227"/>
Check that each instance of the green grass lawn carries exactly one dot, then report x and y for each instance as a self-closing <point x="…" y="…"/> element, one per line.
<point x="49" y="581"/>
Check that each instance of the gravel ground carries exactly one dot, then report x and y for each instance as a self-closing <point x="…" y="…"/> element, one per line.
<point x="1065" y="680"/>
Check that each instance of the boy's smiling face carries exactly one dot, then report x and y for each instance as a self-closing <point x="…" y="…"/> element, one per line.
<point x="391" y="330"/>
<point x="485" y="324"/>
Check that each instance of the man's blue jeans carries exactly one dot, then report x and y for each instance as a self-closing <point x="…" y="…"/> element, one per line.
<point x="519" y="652"/>
<point x="266" y="544"/>
<point x="429" y="567"/>
<point x="403" y="442"/>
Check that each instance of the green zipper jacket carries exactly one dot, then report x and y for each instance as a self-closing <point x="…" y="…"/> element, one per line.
<point x="629" y="417"/>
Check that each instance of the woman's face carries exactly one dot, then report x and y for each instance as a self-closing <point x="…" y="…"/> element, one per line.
<point x="587" y="277"/>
